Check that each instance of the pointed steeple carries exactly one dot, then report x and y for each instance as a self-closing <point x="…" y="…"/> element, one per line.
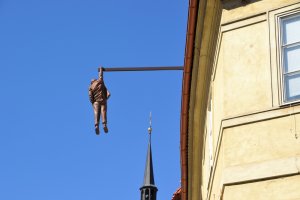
<point x="148" y="190"/>
<point x="149" y="175"/>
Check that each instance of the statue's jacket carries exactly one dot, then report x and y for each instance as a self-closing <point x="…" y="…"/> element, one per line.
<point x="98" y="92"/>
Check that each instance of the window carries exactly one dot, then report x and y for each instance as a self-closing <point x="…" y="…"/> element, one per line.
<point x="290" y="55"/>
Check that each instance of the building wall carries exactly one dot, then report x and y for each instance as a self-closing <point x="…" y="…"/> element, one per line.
<point x="256" y="138"/>
<point x="280" y="188"/>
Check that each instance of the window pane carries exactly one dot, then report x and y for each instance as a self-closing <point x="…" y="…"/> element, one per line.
<point x="291" y="30"/>
<point x="292" y="58"/>
<point x="292" y="87"/>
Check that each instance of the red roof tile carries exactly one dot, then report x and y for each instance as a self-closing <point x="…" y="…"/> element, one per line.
<point x="177" y="194"/>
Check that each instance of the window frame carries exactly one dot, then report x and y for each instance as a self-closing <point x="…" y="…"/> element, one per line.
<point x="282" y="47"/>
<point x="275" y="40"/>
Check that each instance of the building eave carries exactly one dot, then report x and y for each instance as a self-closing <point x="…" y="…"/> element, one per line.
<point x="186" y="84"/>
<point x="202" y="31"/>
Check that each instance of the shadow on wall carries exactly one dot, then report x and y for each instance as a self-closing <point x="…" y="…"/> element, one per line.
<point x="232" y="4"/>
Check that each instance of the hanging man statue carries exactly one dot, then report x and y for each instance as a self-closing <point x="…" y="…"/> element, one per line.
<point x="99" y="94"/>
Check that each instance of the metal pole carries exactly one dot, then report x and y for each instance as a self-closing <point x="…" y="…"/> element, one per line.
<point x="123" y="69"/>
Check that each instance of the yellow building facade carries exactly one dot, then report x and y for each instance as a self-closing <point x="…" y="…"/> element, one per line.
<point x="240" y="119"/>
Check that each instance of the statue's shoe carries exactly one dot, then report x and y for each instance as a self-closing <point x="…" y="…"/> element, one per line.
<point x="97" y="130"/>
<point x="105" y="129"/>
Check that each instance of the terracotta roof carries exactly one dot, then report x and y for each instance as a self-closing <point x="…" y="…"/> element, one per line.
<point x="177" y="194"/>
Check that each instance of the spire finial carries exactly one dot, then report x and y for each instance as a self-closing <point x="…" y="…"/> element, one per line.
<point x="150" y="127"/>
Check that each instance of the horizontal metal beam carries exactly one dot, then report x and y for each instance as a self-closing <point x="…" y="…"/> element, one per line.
<point x="126" y="69"/>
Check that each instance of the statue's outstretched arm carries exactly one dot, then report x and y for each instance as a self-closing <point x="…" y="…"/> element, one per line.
<point x="101" y="73"/>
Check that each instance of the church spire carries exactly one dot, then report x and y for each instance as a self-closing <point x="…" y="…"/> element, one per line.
<point x="148" y="190"/>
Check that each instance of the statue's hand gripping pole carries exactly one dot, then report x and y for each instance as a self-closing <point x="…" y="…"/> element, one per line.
<point x="101" y="69"/>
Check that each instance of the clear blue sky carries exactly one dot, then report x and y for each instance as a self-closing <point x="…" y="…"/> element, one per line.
<point x="49" y="51"/>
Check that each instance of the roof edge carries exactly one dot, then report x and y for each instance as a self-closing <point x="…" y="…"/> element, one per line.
<point x="186" y="84"/>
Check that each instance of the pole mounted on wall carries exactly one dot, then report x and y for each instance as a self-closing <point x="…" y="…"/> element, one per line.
<point x="126" y="69"/>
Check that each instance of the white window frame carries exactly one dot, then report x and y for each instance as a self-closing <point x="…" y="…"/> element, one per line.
<point x="274" y="18"/>
<point x="282" y="59"/>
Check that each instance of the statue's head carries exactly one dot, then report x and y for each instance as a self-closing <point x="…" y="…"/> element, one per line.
<point x="92" y="81"/>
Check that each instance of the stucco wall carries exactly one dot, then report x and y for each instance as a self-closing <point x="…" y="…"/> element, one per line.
<point x="242" y="82"/>
<point x="286" y="188"/>
<point x="261" y="141"/>
<point x="256" y="143"/>
<point x="233" y="11"/>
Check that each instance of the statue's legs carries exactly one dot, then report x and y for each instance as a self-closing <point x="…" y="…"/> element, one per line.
<point x="100" y="107"/>
<point x="96" y="106"/>
<point x="104" y="116"/>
